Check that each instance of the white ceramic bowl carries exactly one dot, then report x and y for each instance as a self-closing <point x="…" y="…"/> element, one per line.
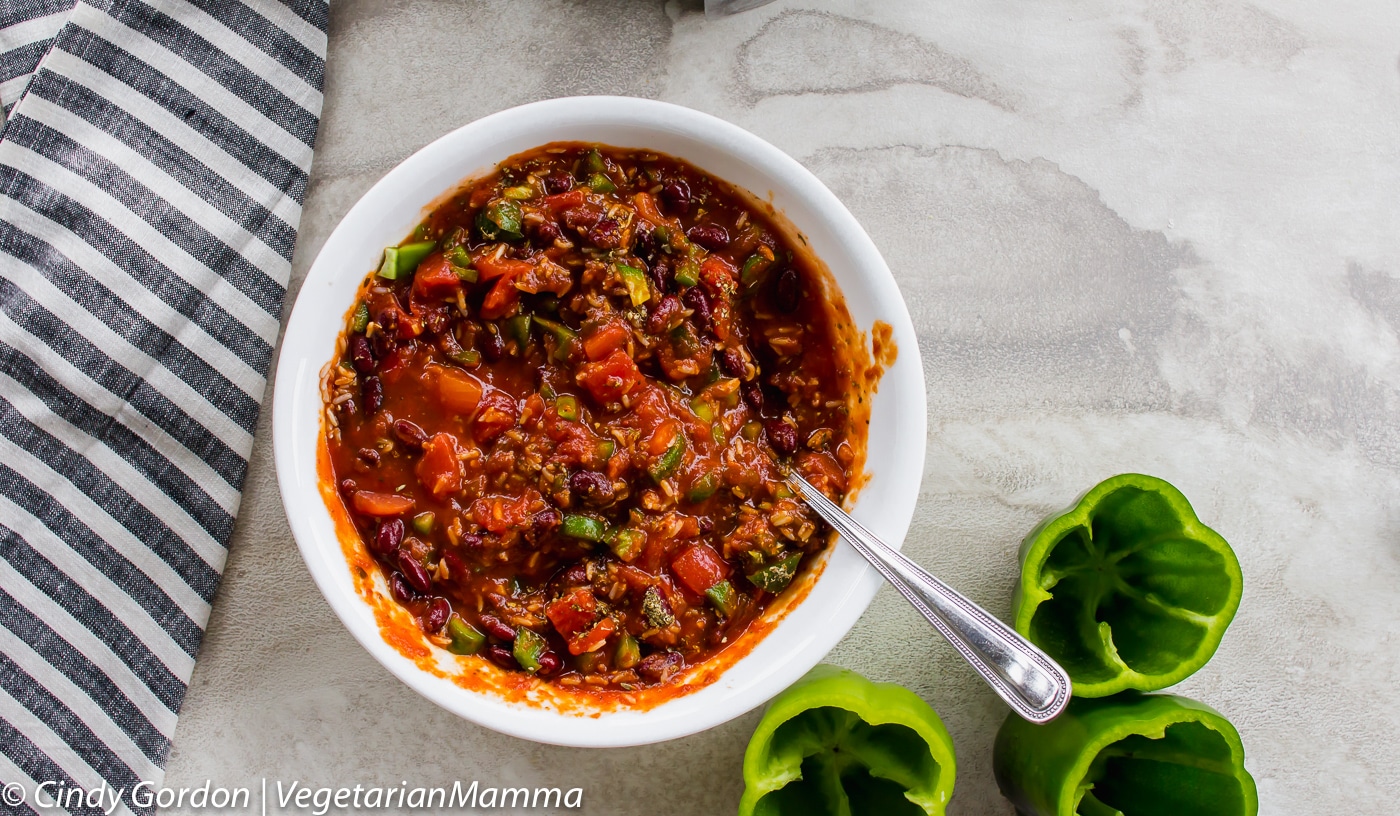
<point x="395" y="205"/>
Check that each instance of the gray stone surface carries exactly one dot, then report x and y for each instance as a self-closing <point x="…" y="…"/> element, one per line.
<point x="1155" y="236"/>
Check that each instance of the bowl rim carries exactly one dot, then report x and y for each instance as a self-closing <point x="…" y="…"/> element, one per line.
<point x="296" y="367"/>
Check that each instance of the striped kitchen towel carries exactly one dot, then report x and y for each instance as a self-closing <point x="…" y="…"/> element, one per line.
<point x="153" y="160"/>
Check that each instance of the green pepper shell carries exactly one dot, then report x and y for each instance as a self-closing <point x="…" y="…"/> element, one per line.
<point x="836" y="743"/>
<point x="1137" y="754"/>
<point x="1127" y="589"/>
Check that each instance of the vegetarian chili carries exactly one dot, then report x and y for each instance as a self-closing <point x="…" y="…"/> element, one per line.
<point x="558" y="412"/>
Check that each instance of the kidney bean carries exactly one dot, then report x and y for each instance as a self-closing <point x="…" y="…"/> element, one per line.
<point x="663" y="277"/>
<point x="501" y="657"/>
<point x="659" y="666"/>
<point x="547" y="519"/>
<point x="369" y="456"/>
<point x="348" y="486"/>
<point x="581" y="218"/>
<point x="360" y="354"/>
<point x="414" y="572"/>
<point x="436" y="616"/>
<point x="492" y="345"/>
<point x="472" y="543"/>
<point x="400" y="589"/>
<point x="497" y="628"/>
<point x="710" y="236"/>
<point x="456" y="566"/>
<point x="576" y="575"/>
<point x="558" y="181"/>
<point x="782" y="436"/>
<point x="372" y="391"/>
<point x="665" y="315"/>
<point x="787" y="291"/>
<point x="549" y="663"/>
<point x="643" y="246"/>
<point x="389" y="537"/>
<point x="548" y="231"/>
<point x="699" y="303"/>
<point x="436" y="320"/>
<point x="410" y="434"/>
<point x="707" y="524"/>
<point x="383" y="344"/>
<point x="753" y="394"/>
<point x="606" y="234"/>
<point x="732" y="361"/>
<point x="388" y="320"/>
<point x="675" y="194"/>
<point x="591" y="486"/>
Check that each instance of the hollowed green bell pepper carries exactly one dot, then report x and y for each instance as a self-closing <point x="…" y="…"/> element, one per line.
<point x="836" y="743"/>
<point x="1128" y="755"/>
<point x="1127" y="589"/>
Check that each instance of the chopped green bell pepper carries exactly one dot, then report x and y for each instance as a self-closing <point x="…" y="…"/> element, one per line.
<point x="584" y="527"/>
<point x="1134" y="754"/>
<point x="836" y="743"/>
<point x="1127" y="589"/>
<point x="518" y="329"/>
<point x="529" y="646"/>
<point x="500" y="221"/>
<point x="703" y="488"/>
<point x="466" y="639"/>
<point x="403" y="260"/>
<point x="724" y="597"/>
<point x="775" y="577"/>
<point x="666" y="465"/>
<point x="564" y="336"/>
<point x="627" y="544"/>
<point x="628" y="653"/>
<point x="636" y="282"/>
<point x="360" y="321"/>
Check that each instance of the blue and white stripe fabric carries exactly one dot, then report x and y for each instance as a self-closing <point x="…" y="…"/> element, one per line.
<point x="153" y="160"/>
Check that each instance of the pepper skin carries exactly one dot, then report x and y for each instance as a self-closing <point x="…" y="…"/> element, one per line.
<point x="1127" y="589"/>
<point x="1128" y="755"/>
<point x="835" y="743"/>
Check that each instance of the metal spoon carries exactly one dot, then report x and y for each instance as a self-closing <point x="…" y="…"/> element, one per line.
<point x="1025" y="677"/>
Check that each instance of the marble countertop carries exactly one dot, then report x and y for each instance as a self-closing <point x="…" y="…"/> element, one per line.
<point x="1152" y="236"/>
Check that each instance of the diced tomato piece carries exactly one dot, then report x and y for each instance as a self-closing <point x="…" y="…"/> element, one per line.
<point x="574" y="612"/>
<point x="534" y="409"/>
<point x="647" y="209"/>
<point x="608" y="379"/>
<point x="498" y="414"/>
<point x="435" y="279"/>
<point x="559" y="202"/>
<point x="459" y="391"/>
<point x="381" y="504"/>
<point x="489" y="266"/>
<point x="499" y="514"/>
<point x="501" y="300"/>
<point x="440" y="470"/>
<point x="718" y="275"/>
<point x="699" y="567"/>
<point x="637" y="580"/>
<point x="593" y="639"/>
<point x="823" y="472"/>
<point x="605" y="340"/>
<point x="662" y="437"/>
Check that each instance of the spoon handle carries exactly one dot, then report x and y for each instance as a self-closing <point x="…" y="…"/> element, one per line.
<point x="1025" y="677"/>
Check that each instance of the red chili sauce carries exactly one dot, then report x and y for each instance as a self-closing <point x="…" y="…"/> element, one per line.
<point x="559" y="409"/>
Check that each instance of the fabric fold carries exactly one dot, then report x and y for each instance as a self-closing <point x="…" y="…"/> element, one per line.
<point x="153" y="160"/>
